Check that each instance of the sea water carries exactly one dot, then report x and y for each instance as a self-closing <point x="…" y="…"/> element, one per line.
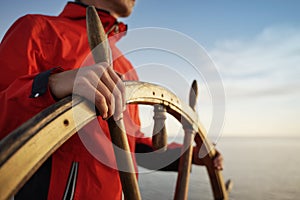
<point x="260" y="168"/>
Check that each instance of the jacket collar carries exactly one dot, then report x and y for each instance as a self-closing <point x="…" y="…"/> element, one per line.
<point x="77" y="11"/>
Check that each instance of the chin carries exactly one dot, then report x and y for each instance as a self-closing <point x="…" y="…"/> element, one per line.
<point x="125" y="13"/>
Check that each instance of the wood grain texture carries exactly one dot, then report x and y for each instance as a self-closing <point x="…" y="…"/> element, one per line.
<point x="182" y="185"/>
<point x="136" y="93"/>
<point x="37" y="139"/>
<point x="101" y="52"/>
<point x="159" y="137"/>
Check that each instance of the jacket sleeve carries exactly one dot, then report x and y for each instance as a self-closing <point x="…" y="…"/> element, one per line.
<point x="22" y="58"/>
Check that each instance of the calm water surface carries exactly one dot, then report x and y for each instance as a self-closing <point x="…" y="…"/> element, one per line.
<point x="260" y="169"/>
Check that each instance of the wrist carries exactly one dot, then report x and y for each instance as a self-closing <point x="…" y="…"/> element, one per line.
<point x="61" y="84"/>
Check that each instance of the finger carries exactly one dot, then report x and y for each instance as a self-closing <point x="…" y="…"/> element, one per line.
<point x="109" y="97"/>
<point x="105" y="76"/>
<point x="109" y="78"/>
<point x="118" y="79"/>
<point x="86" y="89"/>
<point x="92" y="75"/>
<point x="101" y="104"/>
<point x="121" y="76"/>
<point x="218" y="162"/>
<point x="218" y="165"/>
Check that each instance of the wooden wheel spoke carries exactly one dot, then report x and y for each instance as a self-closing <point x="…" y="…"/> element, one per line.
<point x="30" y="148"/>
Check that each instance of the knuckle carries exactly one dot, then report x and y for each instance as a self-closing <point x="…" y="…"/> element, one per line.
<point x="103" y="64"/>
<point x="99" y="69"/>
<point x="79" y="79"/>
<point x="87" y="75"/>
<point x="105" y="76"/>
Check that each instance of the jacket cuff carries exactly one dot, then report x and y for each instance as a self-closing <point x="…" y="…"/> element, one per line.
<point x="40" y="82"/>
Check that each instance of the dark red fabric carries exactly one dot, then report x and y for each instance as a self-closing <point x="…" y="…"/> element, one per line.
<point x="36" y="43"/>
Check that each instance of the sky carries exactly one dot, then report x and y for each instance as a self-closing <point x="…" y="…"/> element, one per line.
<point x="255" y="46"/>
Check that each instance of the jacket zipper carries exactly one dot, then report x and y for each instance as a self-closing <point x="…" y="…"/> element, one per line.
<point x="71" y="184"/>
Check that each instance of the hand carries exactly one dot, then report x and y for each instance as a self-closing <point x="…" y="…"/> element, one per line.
<point x="218" y="159"/>
<point x="97" y="83"/>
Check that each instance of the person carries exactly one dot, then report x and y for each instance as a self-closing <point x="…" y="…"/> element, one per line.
<point x="40" y="57"/>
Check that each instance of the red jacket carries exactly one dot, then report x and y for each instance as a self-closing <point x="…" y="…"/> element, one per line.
<point x="36" y="43"/>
